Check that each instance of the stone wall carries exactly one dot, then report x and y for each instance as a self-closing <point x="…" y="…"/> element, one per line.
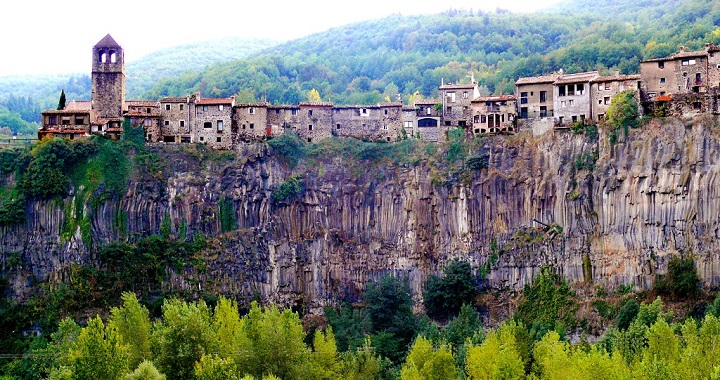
<point x="207" y="119"/>
<point x="250" y="122"/>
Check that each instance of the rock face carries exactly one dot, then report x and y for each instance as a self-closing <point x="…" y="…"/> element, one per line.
<point x="613" y="215"/>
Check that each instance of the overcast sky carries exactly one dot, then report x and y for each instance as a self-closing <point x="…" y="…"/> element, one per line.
<point x="56" y="36"/>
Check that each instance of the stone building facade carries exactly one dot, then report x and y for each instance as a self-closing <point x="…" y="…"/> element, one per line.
<point x="535" y="96"/>
<point x="213" y="119"/>
<point x="108" y="81"/>
<point x="494" y="114"/>
<point x="457" y="103"/>
<point x="604" y="88"/>
<point x="571" y="97"/>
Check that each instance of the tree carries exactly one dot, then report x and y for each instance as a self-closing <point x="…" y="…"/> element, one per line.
<point x="622" y="113"/>
<point x="227" y="325"/>
<point x="547" y="304"/>
<point x="681" y="280"/>
<point x="389" y="306"/>
<point x="444" y="296"/>
<point x="132" y="323"/>
<point x="182" y="337"/>
<point x="61" y="103"/>
<point x="313" y="96"/>
<point x="145" y="371"/>
<point x="424" y="363"/>
<point x="497" y="357"/>
<point x="98" y="352"/>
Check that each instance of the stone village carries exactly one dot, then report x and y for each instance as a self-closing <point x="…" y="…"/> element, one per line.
<point x="687" y="82"/>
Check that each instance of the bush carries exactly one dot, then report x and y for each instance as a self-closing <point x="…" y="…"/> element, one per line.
<point x="289" y="146"/>
<point x="681" y="280"/>
<point x="547" y="303"/>
<point x="627" y="313"/>
<point x="288" y="189"/>
<point x="444" y="296"/>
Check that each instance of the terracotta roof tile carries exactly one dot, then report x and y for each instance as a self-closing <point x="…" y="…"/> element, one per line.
<point x="174" y="100"/>
<point x="616" y="78"/>
<point x="79" y="105"/>
<point x="142" y="103"/>
<point x="315" y="104"/>
<point x="427" y="102"/>
<point x="496" y="98"/>
<point x="458" y="86"/>
<point x="209" y="101"/>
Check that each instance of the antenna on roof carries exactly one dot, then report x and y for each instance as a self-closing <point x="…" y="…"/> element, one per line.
<point x="442" y="81"/>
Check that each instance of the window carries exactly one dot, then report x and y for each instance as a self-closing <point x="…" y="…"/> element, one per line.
<point x="219" y="125"/>
<point x="167" y="123"/>
<point x="385" y="112"/>
<point x="219" y="139"/>
<point x="310" y="112"/>
<point x="364" y="112"/>
<point x="53" y="120"/>
<point x="543" y="111"/>
<point x="524" y="98"/>
<point x="205" y="108"/>
<point x="408" y="124"/>
<point x="449" y="109"/>
<point x="293" y="112"/>
<point x="450" y="97"/>
<point x="309" y="139"/>
<point x="606" y="100"/>
<point x="543" y="96"/>
<point x="465" y="94"/>
<point x="220" y="107"/>
<point x="661" y="65"/>
<point x="310" y="127"/>
<point x="580" y="89"/>
<point x="662" y="80"/>
<point x="385" y="127"/>
<point x="252" y="126"/>
<point x="167" y="107"/>
<point x="148" y="110"/>
<point x="607" y="85"/>
<point x="570" y="90"/>
<point x="563" y="103"/>
<point x="147" y="122"/>
<point x="207" y="124"/>
<point x="79" y="120"/>
<point x="277" y="111"/>
<point x="698" y="78"/>
<point x="571" y="102"/>
<point x="251" y="110"/>
<point x="428" y="111"/>
<point x="483" y="119"/>
<point x="337" y="126"/>
<point x="574" y="119"/>
<point x="688" y="62"/>
<point x="243" y="126"/>
<point x="202" y="138"/>
<point x="182" y="123"/>
<point x="561" y="90"/>
<point x="182" y="107"/>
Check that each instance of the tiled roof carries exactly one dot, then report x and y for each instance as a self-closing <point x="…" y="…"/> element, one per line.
<point x="426" y="102"/>
<point x="142" y="103"/>
<point x="315" y="104"/>
<point x="107" y="41"/>
<point x="690" y="54"/>
<point x="496" y="98"/>
<point x="390" y="104"/>
<point x="65" y="112"/>
<point x="617" y="78"/>
<point x="173" y="100"/>
<point x="538" y="79"/>
<point x="257" y="104"/>
<point x="663" y="98"/>
<point x="577" y="77"/>
<point x="283" y="106"/>
<point x="78" y="105"/>
<point x="208" y="101"/>
<point x="458" y="86"/>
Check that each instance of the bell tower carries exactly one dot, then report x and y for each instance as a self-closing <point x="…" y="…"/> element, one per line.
<point x="108" y="79"/>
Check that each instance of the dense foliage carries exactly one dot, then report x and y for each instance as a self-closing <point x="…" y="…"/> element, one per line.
<point x="444" y="296"/>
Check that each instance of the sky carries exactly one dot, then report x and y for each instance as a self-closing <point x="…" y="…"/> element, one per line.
<point x="56" y="37"/>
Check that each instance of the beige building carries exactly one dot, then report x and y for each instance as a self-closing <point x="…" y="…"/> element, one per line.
<point x="177" y="119"/>
<point x="494" y="114"/>
<point x="375" y="123"/>
<point x="250" y="122"/>
<point x="535" y="96"/>
<point x="429" y="126"/>
<point x="213" y="118"/>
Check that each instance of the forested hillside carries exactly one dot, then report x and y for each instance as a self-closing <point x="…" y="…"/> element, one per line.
<point x="369" y="61"/>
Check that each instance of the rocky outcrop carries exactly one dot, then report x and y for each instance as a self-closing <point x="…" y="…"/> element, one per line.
<point x="611" y="215"/>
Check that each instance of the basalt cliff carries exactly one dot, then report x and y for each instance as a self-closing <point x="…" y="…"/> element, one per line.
<point x="610" y="214"/>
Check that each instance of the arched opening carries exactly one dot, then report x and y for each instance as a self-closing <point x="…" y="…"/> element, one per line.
<point x="113" y="56"/>
<point x="427" y="122"/>
<point x="103" y="56"/>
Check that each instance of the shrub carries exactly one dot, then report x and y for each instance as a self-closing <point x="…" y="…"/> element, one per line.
<point x="681" y="280"/>
<point x="547" y="302"/>
<point x="444" y="296"/>
<point x="289" y="146"/>
<point x="627" y="313"/>
<point x="288" y="189"/>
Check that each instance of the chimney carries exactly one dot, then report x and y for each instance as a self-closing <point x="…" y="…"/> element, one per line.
<point x="707" y="46"/>
<point x="682" y="49"/>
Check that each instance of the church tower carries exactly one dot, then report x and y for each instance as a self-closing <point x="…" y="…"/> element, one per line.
<point x="108" y="79"/>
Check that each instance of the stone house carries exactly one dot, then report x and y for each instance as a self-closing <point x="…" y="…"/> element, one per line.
<point x="145" y="114"/>
<point x="571" y="97"/>
<point x="313" y="121"/>
<point x="535" y="96"/>
<point x="604" y="88"/>
<point x="177" y="120"/>
<point x="67" y="123"/>
<point x="213" y="118"/>
<point x="494" y="114"/>
<point x="429" y="120"/>
<point x="409" y="120"/>
<point x="457" y="102"/>
<point x="379" y="122"/>
<point x="250" y="122"/>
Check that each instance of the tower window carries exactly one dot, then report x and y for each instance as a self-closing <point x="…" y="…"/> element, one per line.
<point x="103" y="57"/>
<point x="113" y="56"/>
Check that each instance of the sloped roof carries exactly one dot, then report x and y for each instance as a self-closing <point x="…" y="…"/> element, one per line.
<point x="430" y="102"/>
<point x="577" y="77"/>
<point x="616" y="78"/>
<point x="78" y="105"/>
<point x="537" y="80"/>
<point x="142" y="103"/>
<point x="209" y="101"/>
<point x="458" y="86"/>
<point x="315" y="104"/>
<point x="107" y="41"/>
<point x="496" y="98"/>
